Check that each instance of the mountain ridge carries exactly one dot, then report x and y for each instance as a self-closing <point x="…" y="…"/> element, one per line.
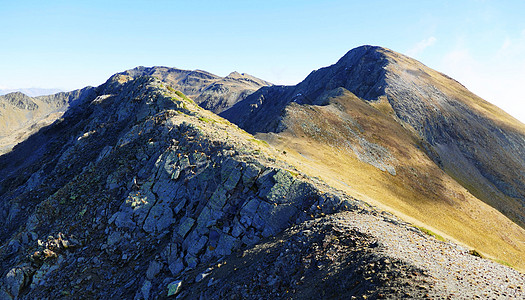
<point x="138" y="192"/>
<point x="32" y="92"/>
<point x="22" y="115"/>
<point x="208" y="90"/>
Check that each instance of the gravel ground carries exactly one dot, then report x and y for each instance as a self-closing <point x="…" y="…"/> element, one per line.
<point x="353" y="255"/>
<point x="454" y="272"/>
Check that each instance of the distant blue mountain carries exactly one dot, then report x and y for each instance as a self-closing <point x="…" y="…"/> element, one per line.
<point x="31" y="92"/>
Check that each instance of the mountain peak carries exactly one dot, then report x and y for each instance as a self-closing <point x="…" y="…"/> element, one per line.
<point x="365" y="51"/>
<point x="235" y="74"/>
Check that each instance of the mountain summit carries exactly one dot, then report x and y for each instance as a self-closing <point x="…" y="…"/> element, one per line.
<point x="475" y="142"/>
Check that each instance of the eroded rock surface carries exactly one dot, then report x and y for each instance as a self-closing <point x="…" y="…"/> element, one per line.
<point x="145" y="185"/>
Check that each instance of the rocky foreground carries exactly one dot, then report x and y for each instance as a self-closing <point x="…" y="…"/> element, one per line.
<point x="353" y="255"/>
<point x="138" y="193"/>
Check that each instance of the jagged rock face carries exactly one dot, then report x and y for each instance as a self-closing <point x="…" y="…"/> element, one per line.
<point x="133" y="186"/>
<point x="210" y="91"/>
<point x="473" y="141"/>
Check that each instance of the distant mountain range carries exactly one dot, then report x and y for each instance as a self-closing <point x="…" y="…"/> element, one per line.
<point x="21" y="115"/>
<point x="375" y="177"/>
<point x="31" y="92"/>
<point x="210" y="91"/>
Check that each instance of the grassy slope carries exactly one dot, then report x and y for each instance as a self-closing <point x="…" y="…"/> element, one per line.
<point x="420" y="192"/>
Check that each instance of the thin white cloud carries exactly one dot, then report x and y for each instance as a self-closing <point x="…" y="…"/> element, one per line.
<point x="513" y="47"/>
<point x="506" y="44"/>
<point x="421" y="46"/>
<point x="498" y="79"/>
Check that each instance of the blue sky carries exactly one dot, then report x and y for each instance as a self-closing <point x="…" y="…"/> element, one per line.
<point x="72" y="44"/>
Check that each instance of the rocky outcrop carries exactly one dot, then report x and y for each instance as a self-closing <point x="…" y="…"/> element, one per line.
<point x="141" y="180"/>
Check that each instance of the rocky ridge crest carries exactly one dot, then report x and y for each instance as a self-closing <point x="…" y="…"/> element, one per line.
<point x="139" y="181"/>
<point x="210" y="91"/>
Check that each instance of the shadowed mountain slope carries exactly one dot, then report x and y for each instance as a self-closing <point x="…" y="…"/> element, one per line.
<point x="381" y="125"/>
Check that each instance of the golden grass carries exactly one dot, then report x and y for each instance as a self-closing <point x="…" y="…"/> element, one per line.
<point x="420" y="192"/>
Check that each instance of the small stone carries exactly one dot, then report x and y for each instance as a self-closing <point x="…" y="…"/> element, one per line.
<point x="213" y="237"/>
<point x="226" y="244"/>
<point x="114" y="238"/>
<point x="218" y="199"/>
<point x="201" y="276"/>
<point x="96" y="261"/>
<point x="15" y="281"/>
<point x="153" y="269"/>
<point x="14" y="245"/>
<point x="212" y="282"/>
<point x="197" y="245"/>
<point x="174" y="288"/>
<point x="176" y="267"/>
<point x="185" y="226"/>
<point x="146" y="287"/>
<point x="25" y="238"/>
<point x="250" y="207"/>
<point x="191" y="261"/>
